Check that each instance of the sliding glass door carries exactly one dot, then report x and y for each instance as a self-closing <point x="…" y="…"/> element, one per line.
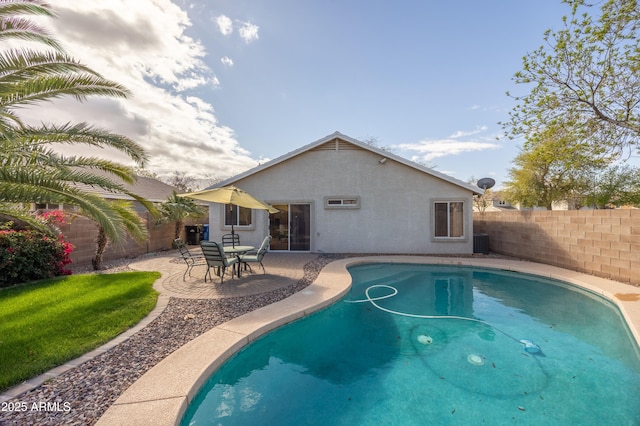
<point x="290" y="228"/>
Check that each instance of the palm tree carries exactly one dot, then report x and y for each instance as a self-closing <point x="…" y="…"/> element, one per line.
<point x="177" y="209"/>
<point x="30" y="170"/>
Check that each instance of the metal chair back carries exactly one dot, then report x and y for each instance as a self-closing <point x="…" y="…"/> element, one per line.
<point x="231" y="240"/>
<point x="190" y="259"/>
<point x="214" y="255"/>
<point x="263" y="248"/>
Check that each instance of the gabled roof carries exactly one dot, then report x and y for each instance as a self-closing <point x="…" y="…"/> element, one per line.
<point x="363" y="145"/>
<point x="151" y="189"/>
<point x="148" y="188"/>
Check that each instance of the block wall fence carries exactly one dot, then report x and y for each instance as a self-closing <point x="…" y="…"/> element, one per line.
<point x="605" y="243"/>
<point x="82" y="233"/>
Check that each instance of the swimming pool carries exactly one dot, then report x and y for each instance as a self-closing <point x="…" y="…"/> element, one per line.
<point x="513" y="348"/>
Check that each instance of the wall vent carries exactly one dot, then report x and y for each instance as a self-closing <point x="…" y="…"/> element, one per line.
<point x="337" y="145"/>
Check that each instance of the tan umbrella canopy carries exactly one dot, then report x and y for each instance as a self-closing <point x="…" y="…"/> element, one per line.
<point x="230" y="195"/>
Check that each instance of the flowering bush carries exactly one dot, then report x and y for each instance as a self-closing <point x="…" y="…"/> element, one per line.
<point x="53" y="217"/>
<point x="27" y="255"/>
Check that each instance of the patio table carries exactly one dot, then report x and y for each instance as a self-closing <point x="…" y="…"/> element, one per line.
<point x="238" y="251"/>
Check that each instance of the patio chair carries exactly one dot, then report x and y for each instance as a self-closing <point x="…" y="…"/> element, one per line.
<point x="257" y="256"/>
<point x="190" y="259"/>
<point x="231" y="240"/>
<point x="215" y="258"/>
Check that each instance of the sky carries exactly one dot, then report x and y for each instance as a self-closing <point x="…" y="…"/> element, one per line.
<point x="218" y="87"/>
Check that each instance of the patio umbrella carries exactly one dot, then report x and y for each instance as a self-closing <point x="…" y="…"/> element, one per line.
<point x="230" y="195"/>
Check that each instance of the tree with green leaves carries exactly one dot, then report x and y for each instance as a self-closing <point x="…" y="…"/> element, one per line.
<point x="177" y="209"/>
<point x="552" y="167"/>
<point x="585" y="79"/>
<point x="30" y="169"/>
<point x="614" y="186"/>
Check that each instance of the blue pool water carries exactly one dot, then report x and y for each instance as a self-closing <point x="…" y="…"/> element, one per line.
<point x="455" y="345"/>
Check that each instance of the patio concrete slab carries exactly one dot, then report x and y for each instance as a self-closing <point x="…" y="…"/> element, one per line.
<point x="282" y="269"/>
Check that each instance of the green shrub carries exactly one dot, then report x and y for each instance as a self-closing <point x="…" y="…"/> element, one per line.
<point x="27" y="255"/>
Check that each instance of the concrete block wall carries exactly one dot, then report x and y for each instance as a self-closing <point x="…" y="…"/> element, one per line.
<point x="605" y="243"/>
<point x="82" y="233"/>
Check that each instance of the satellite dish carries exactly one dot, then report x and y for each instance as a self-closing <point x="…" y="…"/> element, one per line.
<point x="486" y="183"/>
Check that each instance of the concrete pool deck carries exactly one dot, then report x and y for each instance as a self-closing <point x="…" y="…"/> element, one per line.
<point x="162" y="395"/>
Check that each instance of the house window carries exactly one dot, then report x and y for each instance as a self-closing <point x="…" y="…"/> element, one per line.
<point x="47" y="206"/>
<point x="341" y="202"/>
<point x="449" y="219"/>
<point x="237" y="216"/>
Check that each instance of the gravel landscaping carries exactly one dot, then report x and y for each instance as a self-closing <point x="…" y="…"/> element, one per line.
<point x="80" y="396"/>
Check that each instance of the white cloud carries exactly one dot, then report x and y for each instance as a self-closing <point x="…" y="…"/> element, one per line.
<point x="199" y="103"/>
<point x="143" y="46"/>
<point x="248" y="32"/>
<point x="429" y="150"/>
<point x="225" y="25"/>
<point x="226" y="61"/>
<point x="460" y="133"/>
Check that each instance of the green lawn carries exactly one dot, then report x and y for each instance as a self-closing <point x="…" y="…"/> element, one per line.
<point x="46" y="323"/>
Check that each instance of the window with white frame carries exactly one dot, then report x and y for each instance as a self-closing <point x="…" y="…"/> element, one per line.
<point x="46" y="206"/>
<point x="237" y="216"/>
<point x="339" y="202"/>
<point x="449" y="219"/>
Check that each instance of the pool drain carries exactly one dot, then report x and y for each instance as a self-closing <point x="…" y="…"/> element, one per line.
<point x="425" y="339"/>
<point x="475" y="359"/>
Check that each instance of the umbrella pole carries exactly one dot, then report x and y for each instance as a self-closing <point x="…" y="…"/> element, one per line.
<point x="233" y="232"/>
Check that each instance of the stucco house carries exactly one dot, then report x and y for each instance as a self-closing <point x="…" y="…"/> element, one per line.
<point x="341" y="195"/>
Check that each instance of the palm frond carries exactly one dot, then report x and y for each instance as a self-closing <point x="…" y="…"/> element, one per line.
<point x="62" y="185"/>
<point x="8" y="121"/>
<point x="22" y="186"/>
<point x="179" y="208"/>
<point x="47" y="158"/>
<point x="12" y="26"/>
<point x="148" y="205"/>
<point x="92" y="164"/>
<point x="132" y="222"/>
<point x="54" y="181"/>
<point x="44" y="88"/>
<point x="86" y="177"/>
<point x="100" y="211"/>
<point x="23" y="29"/>
<point x="19" y="186"/>
<point x="25" y="7"/>
<point x="18" y="65"/>
<point x="81" y="133"/>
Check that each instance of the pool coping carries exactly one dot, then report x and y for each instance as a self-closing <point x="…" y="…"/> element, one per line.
<point x="162" y="395"/>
